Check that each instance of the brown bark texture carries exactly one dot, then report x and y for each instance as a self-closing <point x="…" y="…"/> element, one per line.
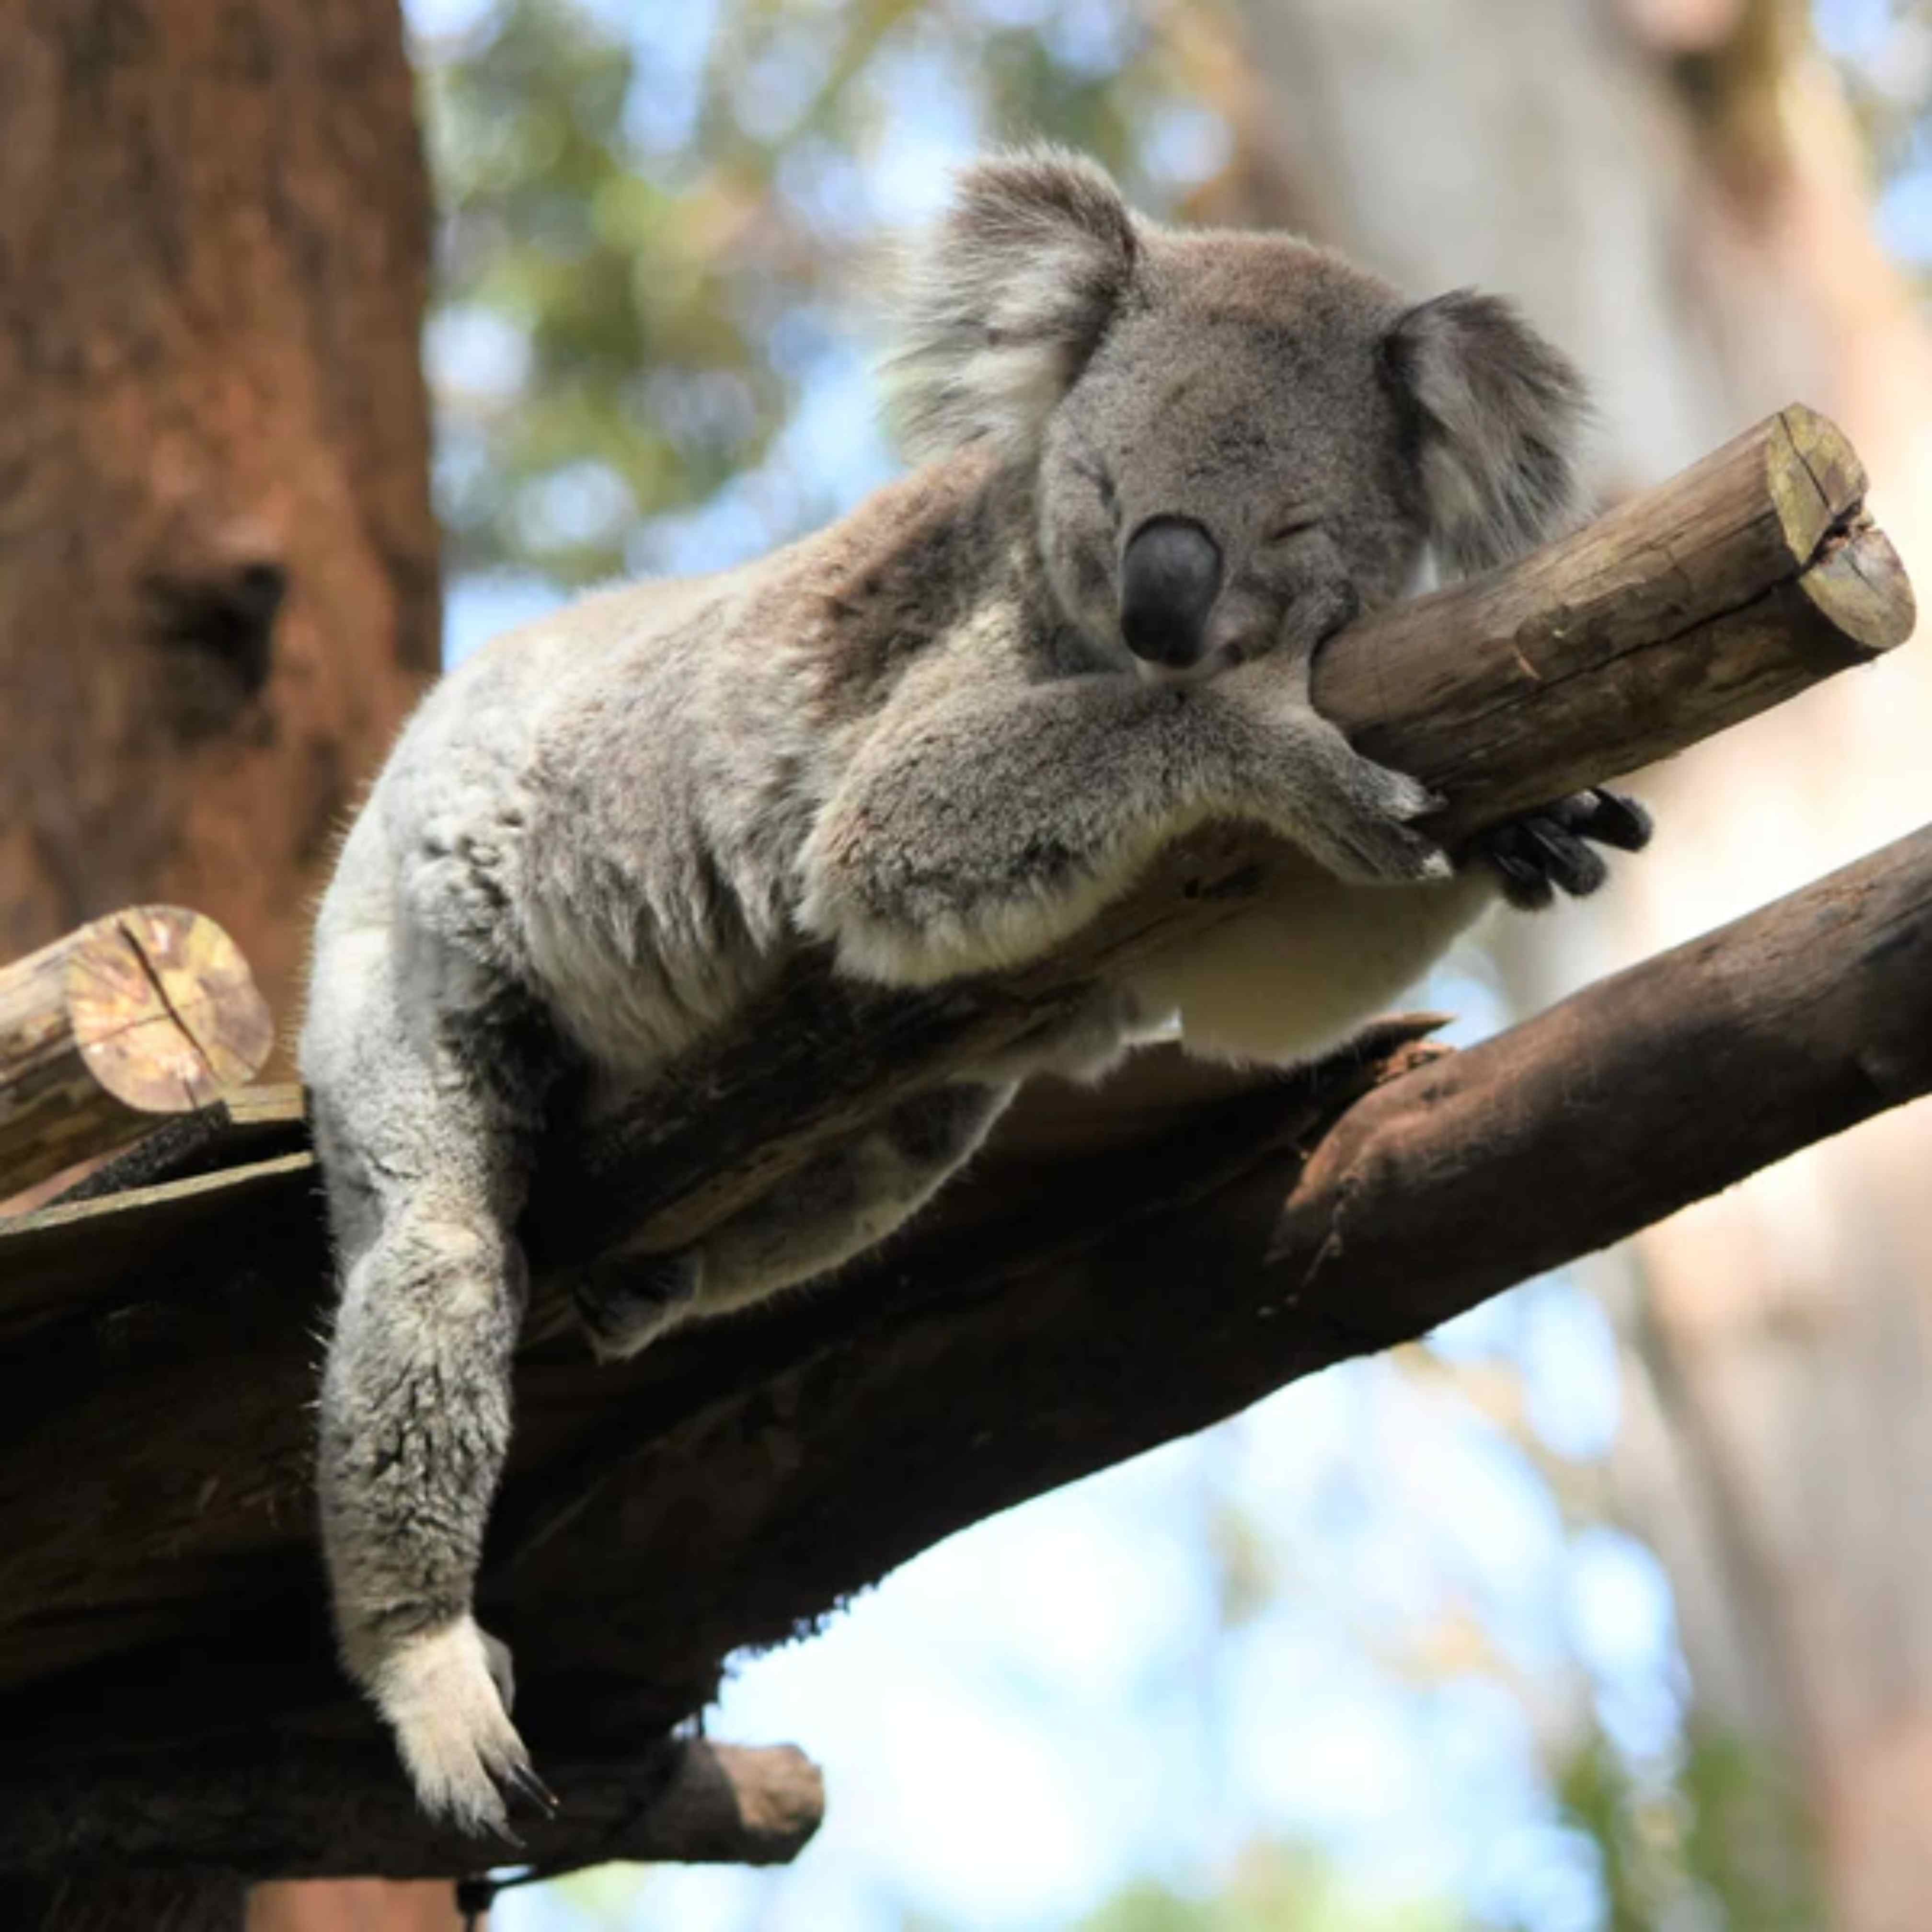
<point x="756" y="1473"/>
<point x="159" y="1599"/>
<point x="218" y="588"/>
<point x="357" y="1905"/>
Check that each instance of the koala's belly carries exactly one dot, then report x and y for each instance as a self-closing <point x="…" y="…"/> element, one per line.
<point x="1291" y="978"/>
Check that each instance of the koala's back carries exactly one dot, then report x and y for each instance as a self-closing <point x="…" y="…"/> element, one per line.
<point x="605" y="806"/>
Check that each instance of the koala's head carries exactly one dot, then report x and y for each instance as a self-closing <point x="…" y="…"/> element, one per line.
<point x="1240" y="440"/>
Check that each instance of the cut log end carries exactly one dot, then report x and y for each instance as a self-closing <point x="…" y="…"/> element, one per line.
<point x="147" y="1014"/>
<point x="1814" y="477"/>
<point x="163" y="1009"/>
<point x="1859" y="586"/>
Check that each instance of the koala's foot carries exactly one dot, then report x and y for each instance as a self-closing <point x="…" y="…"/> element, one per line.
<point x="445" y="1693"/>
<point x="1367" y="834"/>
<point x="1535" y="855"/>
<point x="629" y="1300"/>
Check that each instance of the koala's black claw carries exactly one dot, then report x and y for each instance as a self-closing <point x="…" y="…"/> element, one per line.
<point x="1572" y="866"/>
<point x="1508" y="853"/>
<point x="1613" y="818"/>
<point x="1550" y="849"/>
<point x="526" y="1783"/>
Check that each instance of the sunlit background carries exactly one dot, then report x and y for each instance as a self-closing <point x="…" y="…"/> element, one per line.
<point x="1378" y="1654"/>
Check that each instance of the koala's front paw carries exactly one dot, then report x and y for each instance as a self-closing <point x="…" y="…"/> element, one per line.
<point x="628" y="1299"/>
<point x="1369" y="837"/>
<point x="1543" y="850"/>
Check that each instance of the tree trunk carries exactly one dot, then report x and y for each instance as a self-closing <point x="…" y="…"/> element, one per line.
<point x="218" y="589"/>
<point x="1673" y="190"/>
<point x="218" y="563"/>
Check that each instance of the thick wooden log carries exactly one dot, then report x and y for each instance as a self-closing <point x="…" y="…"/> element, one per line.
<point x="1051" y="1319"/>
<point x="336" y="1811"/>
<point x="148" y="1012"/>
<point x="1115" y="1304"/>
<point x="1645" y="1092"/>
<point x="1118" y="1270"/>
<point x="1690" y="608"/>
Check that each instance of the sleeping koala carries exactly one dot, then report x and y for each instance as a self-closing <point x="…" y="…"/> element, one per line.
<point x="1162" y="467"/>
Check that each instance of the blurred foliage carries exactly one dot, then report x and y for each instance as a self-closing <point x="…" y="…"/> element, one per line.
<point x="596" y="351"/>
<point x="1882" y="50"/>
<point x="1721" y="1841"/>
<point x="1718" y="1843"/>
<point x="653" y="225"/>
<point x="1274" y="1888"/>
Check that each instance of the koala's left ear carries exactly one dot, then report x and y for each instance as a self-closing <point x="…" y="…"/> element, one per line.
<point x="1008" y="298"/>
<point x="1499" y="412"/>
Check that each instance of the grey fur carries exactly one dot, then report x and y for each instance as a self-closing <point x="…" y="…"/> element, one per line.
<point x="919" y="737"/>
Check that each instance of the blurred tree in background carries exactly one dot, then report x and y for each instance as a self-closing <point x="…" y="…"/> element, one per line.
<point x="658" y="233"/>
<point x="657" y="227"/>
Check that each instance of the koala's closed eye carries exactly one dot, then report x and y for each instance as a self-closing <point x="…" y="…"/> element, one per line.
<point x="1090" y="470"/>
<point x="1298" y="526"/>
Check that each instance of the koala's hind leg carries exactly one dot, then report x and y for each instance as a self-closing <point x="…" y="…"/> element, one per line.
<point x="424" y="1125"/>
<point x="836" y="1205"/>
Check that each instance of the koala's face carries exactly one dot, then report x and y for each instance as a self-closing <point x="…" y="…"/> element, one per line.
<point x="1233" y="471"/>
<point x="1240" y="441"/>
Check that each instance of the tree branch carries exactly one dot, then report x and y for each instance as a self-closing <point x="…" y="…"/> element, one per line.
<point x="1119" y="1270"/>
<point x="336" y="1811"/>
<point x="1725" y="591"/>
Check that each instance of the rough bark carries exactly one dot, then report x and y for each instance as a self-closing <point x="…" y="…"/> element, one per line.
<point x="218" y="587"/>
<point x="148" y="1012"/>
<point x="217" y="561"/>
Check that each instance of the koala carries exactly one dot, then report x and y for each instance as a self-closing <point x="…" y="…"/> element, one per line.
<point x="1158" y="468"/>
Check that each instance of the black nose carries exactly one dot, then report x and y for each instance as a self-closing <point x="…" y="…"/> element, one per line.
<point x="1169" y="579"/>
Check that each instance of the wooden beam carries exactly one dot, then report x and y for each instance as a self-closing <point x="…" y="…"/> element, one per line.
<point x="1690" y="607"/>
<point x="1120" y="1302"/>
<point x="336" y="1811"/>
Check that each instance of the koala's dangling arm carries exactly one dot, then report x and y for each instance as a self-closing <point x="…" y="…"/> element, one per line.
<point x="981" y="831"/>
<point x="423" y="1124"/>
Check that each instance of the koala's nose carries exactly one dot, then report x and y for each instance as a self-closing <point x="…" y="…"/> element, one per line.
<point x="1169" y="579"/>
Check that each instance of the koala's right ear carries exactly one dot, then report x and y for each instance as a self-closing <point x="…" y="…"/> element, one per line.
<point x="1006" y="300"/>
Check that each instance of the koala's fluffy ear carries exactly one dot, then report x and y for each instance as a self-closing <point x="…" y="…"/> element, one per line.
<point x="1499" y="413"/>
<point x="1007" y="299"/>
